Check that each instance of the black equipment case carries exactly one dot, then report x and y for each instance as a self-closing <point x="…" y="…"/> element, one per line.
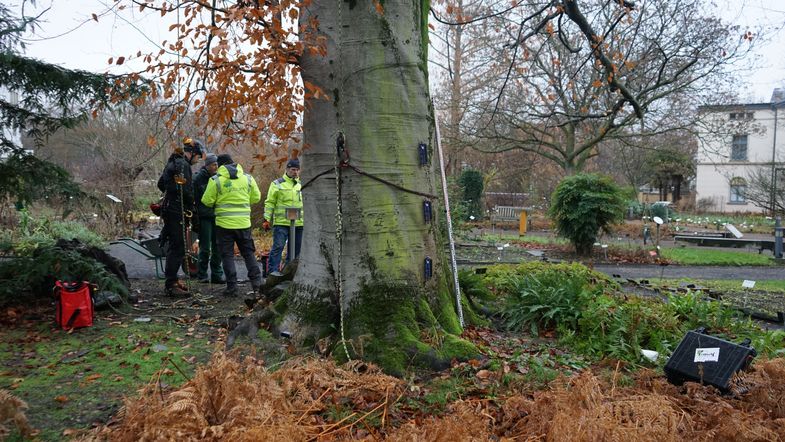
<point x="708" y="360"/>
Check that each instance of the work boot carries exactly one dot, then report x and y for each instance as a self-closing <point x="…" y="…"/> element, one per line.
<point x="217" y="280"/>
<point x="230" y="291"/>
<point x="176" y="291"/>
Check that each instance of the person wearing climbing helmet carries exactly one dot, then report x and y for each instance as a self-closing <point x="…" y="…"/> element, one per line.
<point x="177" y="184"/>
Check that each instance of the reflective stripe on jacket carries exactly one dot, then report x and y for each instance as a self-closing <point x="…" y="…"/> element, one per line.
<point x="283" y="192"/>
<point x="231" y="192"/>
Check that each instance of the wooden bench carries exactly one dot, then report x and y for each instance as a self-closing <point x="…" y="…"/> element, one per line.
<point x="760" y="244"/>
<point x="506" y="214"/>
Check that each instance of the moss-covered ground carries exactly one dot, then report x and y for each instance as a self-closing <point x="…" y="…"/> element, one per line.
<point x="72" y="380"/>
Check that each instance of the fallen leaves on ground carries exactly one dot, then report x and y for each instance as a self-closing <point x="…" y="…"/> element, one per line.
<point x="311" y="399"/>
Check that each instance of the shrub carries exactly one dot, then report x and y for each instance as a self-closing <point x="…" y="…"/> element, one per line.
<point x="471" y="186"/>
<point x="34" y="276"/>
<point x="37" y="262"/>
<point x="592" y="317"/>
<point x="34" y="233"/>
<point x="582" y="205"/>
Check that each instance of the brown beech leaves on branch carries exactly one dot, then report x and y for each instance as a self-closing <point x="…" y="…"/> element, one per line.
<point x="231" y="66"/>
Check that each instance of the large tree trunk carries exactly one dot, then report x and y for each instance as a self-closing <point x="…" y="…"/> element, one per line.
<point x="375" y="73"/>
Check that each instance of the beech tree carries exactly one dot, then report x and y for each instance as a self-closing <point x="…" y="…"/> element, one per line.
<point x="355" y="74"/>
<point x="361" y="69"/>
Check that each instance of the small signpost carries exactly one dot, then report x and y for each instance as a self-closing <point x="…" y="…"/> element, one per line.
<point x="747" y="284"/>
<point x="658" y="221"/>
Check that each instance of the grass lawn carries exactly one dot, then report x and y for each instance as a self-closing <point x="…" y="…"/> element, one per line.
<point x="713" y="257"/>
<point x="78" y="379"/>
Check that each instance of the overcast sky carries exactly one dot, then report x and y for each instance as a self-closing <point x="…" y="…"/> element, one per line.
<point x="70" y="37"/>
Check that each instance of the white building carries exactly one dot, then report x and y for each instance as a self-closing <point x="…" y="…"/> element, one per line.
<point x="9" y="133"/>
<point x="735" y="141"/>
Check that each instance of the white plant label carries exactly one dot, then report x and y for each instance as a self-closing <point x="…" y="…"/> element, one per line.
<point x="747" y="284"/>
<point x="711" y="354"/>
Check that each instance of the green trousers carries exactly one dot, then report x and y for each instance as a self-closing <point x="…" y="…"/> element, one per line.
<point x="208" y="251"/>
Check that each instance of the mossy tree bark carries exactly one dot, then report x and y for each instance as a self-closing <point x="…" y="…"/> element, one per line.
<point x="375" y="73"/>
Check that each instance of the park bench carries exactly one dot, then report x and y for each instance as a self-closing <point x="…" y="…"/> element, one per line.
<point x="506" y="214"/>
<point x="510" y="214"/>
<point x="760" y="244"/>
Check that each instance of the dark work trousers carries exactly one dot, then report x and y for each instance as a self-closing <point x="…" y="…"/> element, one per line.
<point x="280" y="238"/>
<point x="208" y="250"/>
<point x="227" y="238"/>
<point x="175" y="250"/>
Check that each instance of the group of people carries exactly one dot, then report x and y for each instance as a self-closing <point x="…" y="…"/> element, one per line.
<point x="216" y="203"/>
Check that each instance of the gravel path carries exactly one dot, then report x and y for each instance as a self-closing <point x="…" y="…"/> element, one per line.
<point x="141" y="268"/>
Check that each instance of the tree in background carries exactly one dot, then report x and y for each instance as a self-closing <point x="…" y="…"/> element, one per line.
<point x="563" y="77"/>
<point x="758" y="187"/>
<point x="583" y="205"/>
<point x="45" y="98"/>
<point x="471" y="183"/>
<point x="670" y="169"/>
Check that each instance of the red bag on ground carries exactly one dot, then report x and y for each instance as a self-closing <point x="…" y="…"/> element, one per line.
<point x="74" y="304"/>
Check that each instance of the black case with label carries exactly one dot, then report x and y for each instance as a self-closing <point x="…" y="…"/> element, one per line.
<point x="732" y="358"/>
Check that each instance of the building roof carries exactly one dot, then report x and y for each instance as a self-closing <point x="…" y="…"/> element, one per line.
<point x="777" y="100"/>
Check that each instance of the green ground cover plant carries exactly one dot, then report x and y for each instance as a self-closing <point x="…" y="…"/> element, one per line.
<point x="35" y="261"/>
<point x="590" y="315"/>
<point x="772" y="285"/>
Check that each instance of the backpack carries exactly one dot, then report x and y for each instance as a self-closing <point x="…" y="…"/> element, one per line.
<point x="74" y="304"/>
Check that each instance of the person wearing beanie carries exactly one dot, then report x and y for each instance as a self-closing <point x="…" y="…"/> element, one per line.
<point x="177" y="184"/>
<point x="208" y="244"/>
<point x="224" y="159"/>
<point x="285" y="192"/>
<point x="231" y="192"/>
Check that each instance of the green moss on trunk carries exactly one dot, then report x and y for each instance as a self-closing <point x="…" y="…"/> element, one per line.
<point x="394" y="327"/>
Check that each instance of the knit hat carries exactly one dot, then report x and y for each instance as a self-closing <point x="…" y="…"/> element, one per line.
<point x="294" y="162"/>
<point x="210" y="159"/>
<point x="224" y="158"/>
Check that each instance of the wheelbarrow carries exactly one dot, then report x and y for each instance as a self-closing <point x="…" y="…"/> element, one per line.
<point x="151" y="249"/>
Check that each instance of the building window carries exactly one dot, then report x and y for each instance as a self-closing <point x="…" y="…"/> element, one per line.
<point x="738" y="190"/>
<point x="741" y="115"/>
<point x="738" y="148"/>
<point x="13" y="98"/>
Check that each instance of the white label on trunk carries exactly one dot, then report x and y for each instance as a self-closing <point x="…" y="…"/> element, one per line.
<point x="707" y="354"/>
<point x="747" y="284"/>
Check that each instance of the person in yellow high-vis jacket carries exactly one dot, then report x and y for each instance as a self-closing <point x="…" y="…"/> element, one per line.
<point x="285" y="192"/>
<point x="231" y="192"/>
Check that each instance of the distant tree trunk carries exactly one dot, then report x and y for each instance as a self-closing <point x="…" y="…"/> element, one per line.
<point x="455" y="97"/>
<point x="677" y="179"/>
<point x="375" y="72"/>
